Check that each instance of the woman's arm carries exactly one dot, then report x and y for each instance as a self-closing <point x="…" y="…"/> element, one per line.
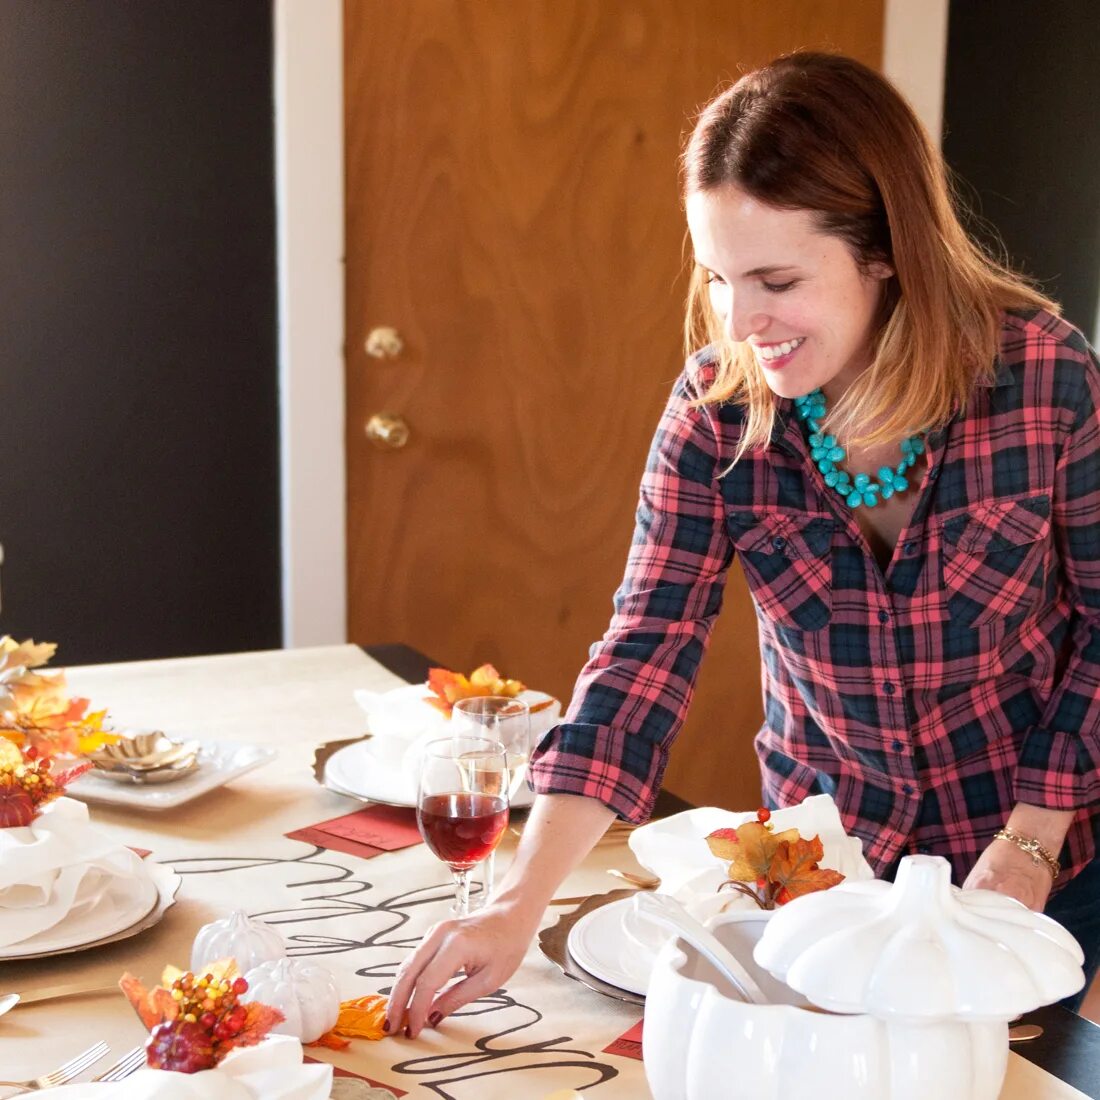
<point x="490" y="944"/>
<point x="1009" y="870"/>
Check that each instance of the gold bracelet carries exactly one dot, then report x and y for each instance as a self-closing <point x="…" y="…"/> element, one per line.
<point x="1033" y="848"/>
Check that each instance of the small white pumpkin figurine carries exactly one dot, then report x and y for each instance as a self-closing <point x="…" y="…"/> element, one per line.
<point x="302" y="991"/>
<point x="249" y="942"/>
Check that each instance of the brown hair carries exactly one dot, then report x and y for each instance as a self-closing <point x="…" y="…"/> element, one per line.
<point x="825" y="133"/>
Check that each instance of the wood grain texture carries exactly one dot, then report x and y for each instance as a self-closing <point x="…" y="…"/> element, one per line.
<point x="513" y="210"/>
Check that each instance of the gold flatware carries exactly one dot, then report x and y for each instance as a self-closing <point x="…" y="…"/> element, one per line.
<point x="1024" y="1033"/>
<point x="55" y="992"/>
<point x="62" y="1074"/>
<point x="569" y="901"/>
<point x="642" y="882"/>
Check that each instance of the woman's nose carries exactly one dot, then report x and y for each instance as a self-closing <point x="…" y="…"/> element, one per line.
<point x="744" y="320"/>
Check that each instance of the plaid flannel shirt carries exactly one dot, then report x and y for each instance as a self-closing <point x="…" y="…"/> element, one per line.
<point x="926" y="700"/>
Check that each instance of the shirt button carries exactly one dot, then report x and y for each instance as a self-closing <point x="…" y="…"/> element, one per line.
<point x="907" y="547"/>
<point x="889" y="688"/>
<point x="884" y="616"/>
<point x="924" y="849"/>
<point x="779" y="543"/>
<point x="908" y="788"/>
<point x="897" y="746"/>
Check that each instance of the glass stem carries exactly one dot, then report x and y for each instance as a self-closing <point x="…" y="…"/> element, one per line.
<point x="462" y="892"/>
<point x="487" y="877"/>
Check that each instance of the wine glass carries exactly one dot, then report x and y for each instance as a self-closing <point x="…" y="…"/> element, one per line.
<point x="500" y="718"/>
<point x="462" y="805"/>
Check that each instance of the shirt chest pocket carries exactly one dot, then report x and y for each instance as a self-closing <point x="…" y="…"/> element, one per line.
<point x="787" y="562"/>
<point x="994" y="560"/>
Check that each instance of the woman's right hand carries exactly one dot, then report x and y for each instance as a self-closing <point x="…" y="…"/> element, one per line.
<point x="486" y="947"/>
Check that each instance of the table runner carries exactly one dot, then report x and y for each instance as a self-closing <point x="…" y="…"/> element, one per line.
<point x="359" y="918"/>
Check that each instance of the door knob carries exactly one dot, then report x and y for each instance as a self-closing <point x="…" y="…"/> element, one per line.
<point x="384" y="342"/>
<point x="387" y="430"/>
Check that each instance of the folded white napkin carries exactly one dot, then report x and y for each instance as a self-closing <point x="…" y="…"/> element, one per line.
<point x="402" y="722"/>
<point x="271" y="1070"/>
<point x="675" y="850"/>
<point x="58" y="866"/>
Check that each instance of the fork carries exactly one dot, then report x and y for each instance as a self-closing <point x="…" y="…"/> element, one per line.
<point x="130" y="1062"/>
<point x="62" y="1074"/>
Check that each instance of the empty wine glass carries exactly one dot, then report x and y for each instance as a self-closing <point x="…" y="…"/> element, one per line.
<point x="462" y="805"/>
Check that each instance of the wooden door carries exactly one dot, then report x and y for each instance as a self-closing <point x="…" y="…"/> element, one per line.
<point x="513" y="211"/>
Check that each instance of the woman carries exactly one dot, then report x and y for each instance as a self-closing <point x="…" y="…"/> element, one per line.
<point x="900" y="442"/>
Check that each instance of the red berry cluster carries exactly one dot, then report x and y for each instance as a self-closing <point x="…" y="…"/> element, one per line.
<point x="25" y="787"/>
<point x="210" y="1018"/>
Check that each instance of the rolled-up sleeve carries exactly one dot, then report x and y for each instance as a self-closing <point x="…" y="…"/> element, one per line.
<point x="631" y="697"/>
<point x="1059" y="765"/>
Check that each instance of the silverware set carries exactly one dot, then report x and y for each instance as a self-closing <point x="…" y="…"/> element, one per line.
<point x="129" y="1063"/>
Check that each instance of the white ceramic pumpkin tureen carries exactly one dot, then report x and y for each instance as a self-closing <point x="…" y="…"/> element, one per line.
<point x="911" y="986"/>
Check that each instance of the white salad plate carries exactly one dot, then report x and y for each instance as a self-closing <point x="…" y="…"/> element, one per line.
<point x="124" y="902"/>
<point x="68" y="936"/>
<point x="361" y="771"/>
<point x="599" y="943"/>
<point x="220" y="762"/>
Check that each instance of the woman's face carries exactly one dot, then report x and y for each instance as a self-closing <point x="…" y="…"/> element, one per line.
<point x="793" y="293"/>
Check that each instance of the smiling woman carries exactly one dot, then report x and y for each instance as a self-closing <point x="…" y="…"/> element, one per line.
<point x="930" y="630"/>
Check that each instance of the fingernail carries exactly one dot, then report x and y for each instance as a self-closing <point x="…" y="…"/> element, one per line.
<point x="386" y="1026"/>
<point x="434" y="1018"/>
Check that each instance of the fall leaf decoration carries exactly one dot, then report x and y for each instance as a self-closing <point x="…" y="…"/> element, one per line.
<point x="35" y="707"/>
<point x="361" y="1018"/>
<point x="194" y="1022"/>
<point x="28" y="782"/>
<point x="770" y="867"/>
<point x="449" y="686"/>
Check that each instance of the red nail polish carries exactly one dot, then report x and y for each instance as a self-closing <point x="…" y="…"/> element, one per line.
<point x="408" y="1032"/>
<point x="386" y="1026"/>
<point x="434" y="1018"/>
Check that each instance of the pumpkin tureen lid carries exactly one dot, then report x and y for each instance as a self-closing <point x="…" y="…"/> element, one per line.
<point x="920" y="949"/>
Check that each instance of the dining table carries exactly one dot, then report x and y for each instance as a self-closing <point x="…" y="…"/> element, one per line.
<point x="541" y="1034"/>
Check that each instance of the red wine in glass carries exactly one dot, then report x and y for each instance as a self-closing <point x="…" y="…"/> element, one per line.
<point x="462" y="828"/>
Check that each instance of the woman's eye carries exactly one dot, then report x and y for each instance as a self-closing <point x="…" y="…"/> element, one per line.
<point x="778" y="288"/>
<point x="710" y="277"/>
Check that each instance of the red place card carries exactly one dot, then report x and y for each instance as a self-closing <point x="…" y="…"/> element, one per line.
<point x="364" y="833"/>
<point x="627" y="1045"/>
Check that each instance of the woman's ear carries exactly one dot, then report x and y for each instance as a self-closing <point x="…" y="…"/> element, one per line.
<point x="879" y="269"/>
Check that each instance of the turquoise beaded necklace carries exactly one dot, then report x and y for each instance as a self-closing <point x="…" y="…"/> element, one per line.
<point x="826" y="453"/>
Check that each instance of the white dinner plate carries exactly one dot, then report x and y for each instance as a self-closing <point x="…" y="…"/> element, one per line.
<point x="219" y="763"/>
<point x="358" y="770"/>
<point x="598" y="943"/>
<point x="125" y="902"/>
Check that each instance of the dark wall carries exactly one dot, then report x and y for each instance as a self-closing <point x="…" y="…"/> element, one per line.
<point x="1023" y="130"/>
<point x="139" y="494"/>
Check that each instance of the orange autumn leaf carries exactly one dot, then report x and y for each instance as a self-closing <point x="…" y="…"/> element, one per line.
<point x="361" y="1018"/>
<point x="750" y="848"/>
<point x="796" y="872"/>
<point x="258" y="1021"/>
<point x="448" y="687"/>
<point x="153" y="1006"/>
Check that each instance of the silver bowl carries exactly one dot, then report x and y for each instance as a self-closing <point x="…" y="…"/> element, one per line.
<point x="151" y="757"/>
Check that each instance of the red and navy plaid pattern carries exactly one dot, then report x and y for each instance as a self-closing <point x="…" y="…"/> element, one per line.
<point x="927" y="700"/>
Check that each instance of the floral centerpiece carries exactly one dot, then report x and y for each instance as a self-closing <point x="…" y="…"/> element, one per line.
<point x="36" y="709"/>
<point x="28" y="782"/>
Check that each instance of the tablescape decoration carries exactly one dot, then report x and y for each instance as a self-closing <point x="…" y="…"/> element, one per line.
<point x="149" y="757"/>
<point x="462" y="805"/>
<point x="910" y="985"/>
<point x="273" y="1069"/>
<point x="796" y="846"/>
<point x="28" y="782"/>
<point x="365" y="833"/>
<point x="304" y="992"/>
<point x="195" y="1020"/>
<point x="218" y="763"/>
<point x="63" y="883"/>
<point x="35" y="706"/>
<point x="247" y="940"/>
<point x="384" y="768"/>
